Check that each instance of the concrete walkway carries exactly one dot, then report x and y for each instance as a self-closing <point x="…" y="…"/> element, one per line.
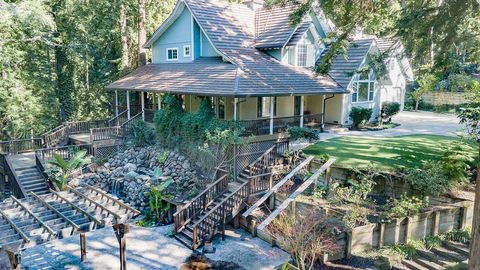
<point x="149" y="248"/>
<point x="412" y="123"/>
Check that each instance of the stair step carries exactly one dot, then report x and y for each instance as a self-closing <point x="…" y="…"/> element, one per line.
<point x="434" y="257"/>
<point x="450" y="254"/>
<point x="413" y="265"/>
<point x="428" y="264"/>
<point x="182" y="238"/>
<point x="460" y="248"/>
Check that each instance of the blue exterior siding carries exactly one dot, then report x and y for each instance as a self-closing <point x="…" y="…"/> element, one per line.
<point x="196" y="39"/>
<point x="277" y="54"/>
<point x="207" y="49"/>
<point x="177" y="35"/>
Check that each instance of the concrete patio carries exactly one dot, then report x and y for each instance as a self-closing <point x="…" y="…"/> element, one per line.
<point x="149" y="248"/>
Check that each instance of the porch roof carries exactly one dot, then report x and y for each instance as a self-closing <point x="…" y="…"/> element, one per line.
<point x="213" y="77"/>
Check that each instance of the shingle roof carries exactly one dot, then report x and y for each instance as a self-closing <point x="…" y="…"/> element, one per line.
<point x="272" y="28"/>
<point x="384" y="44"/>
<point x="301" y="30"/>
<point x="250" y="73"/>
<point x="343" y="66"/>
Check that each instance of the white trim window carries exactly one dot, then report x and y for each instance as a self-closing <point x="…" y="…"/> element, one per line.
<point x="187" y="52"/>
<point x="302" y="55"/>
<point x="363" y="87"/>
<point x="172" y="54"/>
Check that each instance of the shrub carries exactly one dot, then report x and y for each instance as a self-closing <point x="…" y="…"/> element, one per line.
<point x="389" y="109"/>
<point x="360" y="116"/>
<point x="461" y="236"/>
<point x="355" y="216"/>
<point x="404" y="207"/>
<point x="456" y="163"/>
<point x="60" y="170"/>
<point x="143" y="135"/>
<point x="299" y="132"/>
<point x="430" y="180"/>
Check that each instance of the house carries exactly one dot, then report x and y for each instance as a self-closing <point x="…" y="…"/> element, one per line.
<point x="257" y="68"/>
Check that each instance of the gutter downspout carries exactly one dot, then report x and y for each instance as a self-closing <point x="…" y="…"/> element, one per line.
<point x="322" y="128"/>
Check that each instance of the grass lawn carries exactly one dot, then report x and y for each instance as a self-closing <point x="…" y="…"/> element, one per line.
<point x="384" y="152"/>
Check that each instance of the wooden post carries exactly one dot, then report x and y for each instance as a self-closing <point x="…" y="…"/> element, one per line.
<point x="271" y="202"/>
<point x="15" y="259"/>
<point x="397" y="231"/>
<point x="142" y="99"/>
<point x="293" y="207"/>
<point x="120" y="231"/>
<point x="116" y="103"/>
<point x="436" y="223"/>
<point x="83" y="247"/>
<point x="159" y="101"/>
<point x="408" y="230"/>
<point x="349" y="243"/>
<point x="272" y="104"/>
<point x="91" y="136"/>
<point x="224" y="220"/>
<point x="381" y="235"/>
<point x="302" y="100"/>
<point x="128" y="105"/>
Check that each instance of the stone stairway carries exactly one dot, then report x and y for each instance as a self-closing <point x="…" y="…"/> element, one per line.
<point x="227" y="205"/>
<point x="438" y="258"/>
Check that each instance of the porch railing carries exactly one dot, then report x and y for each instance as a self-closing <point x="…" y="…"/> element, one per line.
<point x="280" y="124"/>
<point x="65" y="152"/>
<point x="20" y="146"/>
<point x="119" y="120"/>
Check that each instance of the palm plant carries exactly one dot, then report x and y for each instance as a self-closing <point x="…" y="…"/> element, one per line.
<point x="61" y="169"/>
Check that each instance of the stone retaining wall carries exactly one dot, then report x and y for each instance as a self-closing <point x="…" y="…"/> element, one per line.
<point x="444" y="98"/>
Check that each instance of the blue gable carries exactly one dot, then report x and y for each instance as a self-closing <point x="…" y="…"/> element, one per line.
<point x="178" y="36"/>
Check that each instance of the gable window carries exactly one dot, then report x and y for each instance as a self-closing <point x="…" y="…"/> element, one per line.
<point x="301" y="55"/>
<point x="263" y="106"/>
<point x="172" y="54"/>
<point x="363" y="87"/>
<point x="186" y="51"/>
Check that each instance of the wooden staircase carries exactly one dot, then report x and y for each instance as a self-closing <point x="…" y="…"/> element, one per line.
<point x="438" y="258"/>
<point x="208" y="213"/>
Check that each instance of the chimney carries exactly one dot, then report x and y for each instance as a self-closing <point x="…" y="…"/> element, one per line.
<point x="254" y="4"/>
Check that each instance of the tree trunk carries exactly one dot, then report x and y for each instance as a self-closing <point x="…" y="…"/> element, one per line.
<point x="142" y="34"/>
<point x="125" y="63"/>
<point x="474" y="260"/>
<point x="417" y="102"/>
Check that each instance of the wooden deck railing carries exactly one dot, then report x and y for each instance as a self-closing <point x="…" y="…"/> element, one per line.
<point x="65" y="152"/>
<point x="53" y="137"/>
<point x="105" y="133"/>
<point x="85" y="126"/>
<point x="20" y="146"/>
<point x="202" y="201"/>
<point x="280" y="124"/>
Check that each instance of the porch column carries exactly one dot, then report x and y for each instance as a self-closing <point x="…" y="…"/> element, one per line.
<point x="235" y="109"/>
<point x="159" y="101"/>
<point x="272" y="103"/>
<point x="322" y="124"/>
<point x="128" y="105"/>
<point x="142" y="99"/>
<point x="116" y="103"/>
<point x="302" y="101"/>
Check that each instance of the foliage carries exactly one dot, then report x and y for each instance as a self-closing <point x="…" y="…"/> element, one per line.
<point x="456" y="163"/>
<point x="404" y="207"/>
<point x="168" y="119"/>
<point x="389" y="109"/>
<point x="408" y="250"/>
<point x="360" y="116"/>
<point x="426" y="84"/>
<point x="158" y="208"/>
<point x="430" y="180"/>
<point x="143" y="135"/>
<point x="355" y="216"/>
<point x="306" y="235"/>
<point x="301" y="132"/>
<point x="461" y="236"/>
<point x="61" y="169"/>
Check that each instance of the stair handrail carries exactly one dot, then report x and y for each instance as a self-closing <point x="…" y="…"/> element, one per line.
<point x="115" y="118"/>
<point x="42" y="168"/>
<point x="14" y="180"/>
<point x="242" y="190"/>
<point x="16" y="146"/>
<point x="52" y="137"/>
<point x="189" y="211"/>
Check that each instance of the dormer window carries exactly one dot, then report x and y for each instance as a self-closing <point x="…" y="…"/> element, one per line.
<point x="301" y="55"/>
<point x="186" y="51"/>
<point x="172" y="54"/>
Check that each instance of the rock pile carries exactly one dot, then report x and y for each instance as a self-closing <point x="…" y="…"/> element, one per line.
<point x="130" y="175"/>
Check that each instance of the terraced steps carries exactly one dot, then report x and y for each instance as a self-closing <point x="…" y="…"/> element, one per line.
<point x="438" y="258"/>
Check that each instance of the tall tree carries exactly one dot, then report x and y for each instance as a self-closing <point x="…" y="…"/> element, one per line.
<point x="125" y="63"/>
<point x="142" y="34"/>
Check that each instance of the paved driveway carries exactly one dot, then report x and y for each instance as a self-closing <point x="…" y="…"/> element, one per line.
<point x="412" y="123"/>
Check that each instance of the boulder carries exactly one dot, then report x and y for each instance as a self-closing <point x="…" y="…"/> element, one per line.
<point x="130" y="167"/>
<point x="131" y="176"/>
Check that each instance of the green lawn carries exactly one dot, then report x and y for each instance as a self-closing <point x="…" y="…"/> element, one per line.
<point x="384" y="152"/>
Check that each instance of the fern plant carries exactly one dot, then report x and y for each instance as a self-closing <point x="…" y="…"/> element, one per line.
<point x="61" y="169"/>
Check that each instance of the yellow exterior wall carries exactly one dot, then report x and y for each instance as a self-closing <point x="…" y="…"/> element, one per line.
<point x="229" y="110"/>
<point x="248" y="108"/>
<point x="191" y="103"/>
<point x="333" y="109"/>
<point x="313" y="104"/>
<point x="285" y="106"/>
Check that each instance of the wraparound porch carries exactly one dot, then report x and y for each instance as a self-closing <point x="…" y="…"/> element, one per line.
<point x="258" y="115"/>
